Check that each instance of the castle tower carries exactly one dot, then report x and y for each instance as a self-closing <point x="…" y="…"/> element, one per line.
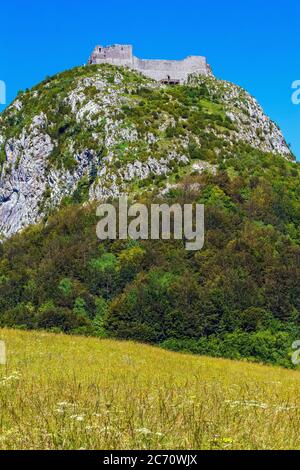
<point x="120" y="55"/>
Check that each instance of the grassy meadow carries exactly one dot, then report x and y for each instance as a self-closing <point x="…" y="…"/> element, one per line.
<point x="62" y="392"/>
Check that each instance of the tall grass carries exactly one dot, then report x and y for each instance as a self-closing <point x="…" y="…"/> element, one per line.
<point x="60" y="392"/>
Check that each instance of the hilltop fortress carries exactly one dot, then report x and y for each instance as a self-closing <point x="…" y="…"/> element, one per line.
<point x="164" y="71"/>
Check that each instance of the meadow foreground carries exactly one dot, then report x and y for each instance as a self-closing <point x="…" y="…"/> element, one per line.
<point x="61" y="392"/>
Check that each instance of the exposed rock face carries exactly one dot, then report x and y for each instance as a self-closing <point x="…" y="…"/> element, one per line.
<point x="23" y="177"/>
<point x="108" y="130"/>
<point x="252" y="124"/>
<point x="26" y="181"/>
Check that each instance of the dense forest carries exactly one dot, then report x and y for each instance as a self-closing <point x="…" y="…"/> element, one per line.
<point x="239" y="297"/>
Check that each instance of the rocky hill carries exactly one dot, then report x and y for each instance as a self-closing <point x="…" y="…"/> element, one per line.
<point x="98" y="131"/>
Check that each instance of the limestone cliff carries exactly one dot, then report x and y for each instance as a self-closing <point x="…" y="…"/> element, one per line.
<point x="98" y="131"/>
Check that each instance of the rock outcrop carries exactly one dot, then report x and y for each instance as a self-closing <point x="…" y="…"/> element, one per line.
<point x="101" y="131"/>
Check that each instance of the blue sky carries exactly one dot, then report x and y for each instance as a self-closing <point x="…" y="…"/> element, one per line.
<point x="255" y="44"/>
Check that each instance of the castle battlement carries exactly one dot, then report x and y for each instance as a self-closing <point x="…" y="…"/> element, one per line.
<point x="165" y="71"/>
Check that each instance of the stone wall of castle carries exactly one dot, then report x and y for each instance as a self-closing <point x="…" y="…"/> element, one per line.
<point x="115" y="55"/>
<point x="160" y="70"/>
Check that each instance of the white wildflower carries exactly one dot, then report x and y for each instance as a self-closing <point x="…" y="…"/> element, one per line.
<point x="144" y="431"/>
<point x="79" y="418"/>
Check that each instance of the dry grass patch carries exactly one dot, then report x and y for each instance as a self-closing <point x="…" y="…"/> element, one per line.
<point x="61" y="392"/>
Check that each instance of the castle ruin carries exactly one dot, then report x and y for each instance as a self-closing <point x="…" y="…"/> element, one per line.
<point x="164" y="71"/>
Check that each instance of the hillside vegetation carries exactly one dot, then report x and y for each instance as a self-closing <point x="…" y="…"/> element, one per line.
<point x="242" y="295"/>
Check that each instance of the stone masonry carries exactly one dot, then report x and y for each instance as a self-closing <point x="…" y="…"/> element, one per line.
<point x="165" y="71"/>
